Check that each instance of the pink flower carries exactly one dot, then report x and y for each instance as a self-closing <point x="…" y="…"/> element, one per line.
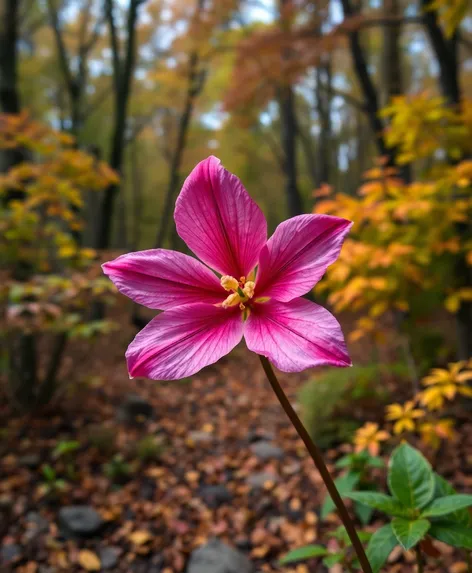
<point x="257" y="295"/>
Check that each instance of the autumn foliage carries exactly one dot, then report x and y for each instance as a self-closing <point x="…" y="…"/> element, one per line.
<point x="49" y="281"/>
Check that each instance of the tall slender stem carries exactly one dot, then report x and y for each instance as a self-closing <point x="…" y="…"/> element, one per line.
<point x="419" y="559"/>
<point x="317" y="457"/>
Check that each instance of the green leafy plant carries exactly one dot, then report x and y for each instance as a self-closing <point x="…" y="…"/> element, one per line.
<point x="357" y="477"/>
<point x="52" y="485"/>
<point x="65" y="448"/>
<point x="65" y="451"/>
<point x="102" y="438"/>
<point x="421" y="504"/>
<point x="149" y="448"/>
<point x="118" y="470"/>
<point x="343" y="555"/>
<point x="327" y="401"/>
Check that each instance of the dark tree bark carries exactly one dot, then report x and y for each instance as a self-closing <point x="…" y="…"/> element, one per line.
<point x="136" y="196"/>
<point x="323" y="105"/>
<point x="446" y="54"/>
<point x="392" y="79"/>
<point x="367" y="86"/>
<point x="445" y="50"/>
<point x="75" y="83"/>
<point x="288" y="125"/>
<point x="289" y="143"/>
<point x="196" y="81"/>
<point x="123" y="69"/>
<point x="9" y="92"/>
<point x="9" y="95"/>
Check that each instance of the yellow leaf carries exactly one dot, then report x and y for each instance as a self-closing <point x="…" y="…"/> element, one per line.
<point x="89" y="560"/>
<point x="139" y="537"/>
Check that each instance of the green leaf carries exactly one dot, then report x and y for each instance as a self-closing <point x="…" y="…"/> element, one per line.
<point x="408" y="533"/>
<point x="345" y="461"/>
<point x="379" y="501"/>
<point x="410" y="477"/>
<point x="303" y="553"/>
<point x="376" y="462"/>
<point x="447" y="504"/>
<point x="443" y="488"/>
<point x="363" y="512"/>
<point x="333" y="559"/>
<point x="452" y="533"/>
<point x="345" y="484"/>
<point x="380" y="546"/>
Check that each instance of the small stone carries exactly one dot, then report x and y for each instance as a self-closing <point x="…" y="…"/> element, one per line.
<point x="10" y="553"/>
<point x="217" y="557"/>
<point x="109" y="557"/>
<point x="30" y="461"/>
<point x="79" y="521"/>
<point x="215" y="495"/>
<point x="260" y="479"/>
<point x="36" y="520"/>
<point x="134" y="408"/>
<point x="258" y="435"/>
<point x="35" y="526"/>
<point x="200" y="437"/>
<point x="265" y="451"/>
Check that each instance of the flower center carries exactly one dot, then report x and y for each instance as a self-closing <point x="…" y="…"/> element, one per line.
<point x="241" y="291"/>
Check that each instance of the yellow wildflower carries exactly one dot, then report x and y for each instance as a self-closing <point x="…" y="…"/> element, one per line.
<point x="404" y="416"/>
<point x="433" y="432"/>
<point x="444" y="384"/>
<point x="368" y="437"/>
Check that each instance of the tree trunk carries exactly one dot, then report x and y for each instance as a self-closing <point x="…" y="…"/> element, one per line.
<point x="449" y="80"/>
<point x="323" y="105"/>
<point x="367" y="86"/>
<point x="174" y="174"/>
<point x="289" y="144"/>
<point x="9" y="93"/>
<point x="123" y="75"/>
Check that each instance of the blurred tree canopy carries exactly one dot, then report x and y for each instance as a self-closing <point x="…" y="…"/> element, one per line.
<point x="352" y="107"/>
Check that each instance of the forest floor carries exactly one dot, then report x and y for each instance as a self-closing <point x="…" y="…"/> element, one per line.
<point x="209" y="457"/>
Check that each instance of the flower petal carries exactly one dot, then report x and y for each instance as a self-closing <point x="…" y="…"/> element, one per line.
<point x="162" y="279"/>
<point x="219" y="221"/>
<point x="298" y="253"/>
<point x="296" y="335"/>
<point x="183" y="340"/>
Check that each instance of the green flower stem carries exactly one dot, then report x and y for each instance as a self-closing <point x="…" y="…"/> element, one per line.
<point x="317" y="457"/>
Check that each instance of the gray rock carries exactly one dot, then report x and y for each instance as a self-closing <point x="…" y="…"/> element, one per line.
<point x="265" y="451"/>
<point x="215" y="495"/>
<point x="30" y="461"/>
<point x="79" y="521"/>
<point x="200" y="437"/>
<point x="259" y="434"/>
<point x="36" y="520"/>
<point x="133" y="408"/>
<point x="35" y="526"/>
<point x="217" y="557"/>
<point x="257" y="480"/>
<point x="9" y="553"/>
<point x="109" y="557"/>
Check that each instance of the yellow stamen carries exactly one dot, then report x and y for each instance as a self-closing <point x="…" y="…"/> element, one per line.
<point x="232" y="300"/>
<point x="229" y="283"/>
<point x="241" y="306"/>
<point x="248" y="289"/>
